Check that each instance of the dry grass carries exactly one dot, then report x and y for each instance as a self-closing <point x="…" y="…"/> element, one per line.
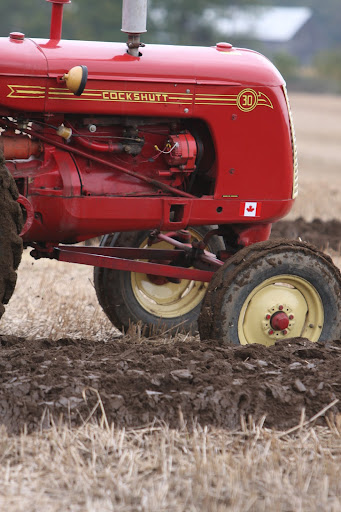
<point x="55" y="300"/>
<point x="97" y="468"/>
<point x="158" y="469"/>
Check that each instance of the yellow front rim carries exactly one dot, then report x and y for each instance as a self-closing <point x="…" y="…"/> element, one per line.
<point x="168" y="300"/>
<point x="292" y="295"/>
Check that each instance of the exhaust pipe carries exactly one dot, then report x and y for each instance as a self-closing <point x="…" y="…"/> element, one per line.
<point x="57" y="19"/>
<point x="134" y="23"/>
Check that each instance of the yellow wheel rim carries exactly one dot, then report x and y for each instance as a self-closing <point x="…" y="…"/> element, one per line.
<point x="293" y="297"/>
<point x="168" y="300"/>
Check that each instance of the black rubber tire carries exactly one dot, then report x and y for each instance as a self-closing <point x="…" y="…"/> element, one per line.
<point x="233" y="283"/>
<point x="115" y="294"/>
<point x="11" y="246"/>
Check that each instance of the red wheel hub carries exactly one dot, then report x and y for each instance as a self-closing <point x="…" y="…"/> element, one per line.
<point x="279" y="321"/>
<point x="158" y="280"/>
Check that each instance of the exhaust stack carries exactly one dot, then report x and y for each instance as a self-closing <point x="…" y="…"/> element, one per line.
<point x="134" y="23"/>
<point x="57" y="19"/>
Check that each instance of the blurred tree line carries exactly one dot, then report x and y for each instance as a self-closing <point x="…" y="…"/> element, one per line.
<point x="324" y="74"/>
<point x="326" y="12"/>
<point x="178" y="22"/>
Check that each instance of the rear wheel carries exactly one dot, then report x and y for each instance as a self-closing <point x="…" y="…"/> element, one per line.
<point x="159" y="303"/>
<point x="11" y="222"/>
<point x="270" y="292"/>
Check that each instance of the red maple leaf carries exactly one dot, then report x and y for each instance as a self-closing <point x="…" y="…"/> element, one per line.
<point x="250" y="209"/>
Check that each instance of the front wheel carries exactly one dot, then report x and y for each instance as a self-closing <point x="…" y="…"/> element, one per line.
<point x="270" y="292"/>
<point x="158" y="303"/>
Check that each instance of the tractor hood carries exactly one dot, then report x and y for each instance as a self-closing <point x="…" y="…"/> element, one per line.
<point x="162" y="63"/>
<point x="110" y="61"/>
<point x="36" y="63"/>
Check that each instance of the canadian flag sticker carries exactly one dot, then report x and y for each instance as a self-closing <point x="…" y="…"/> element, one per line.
<point x="250" y="209"/>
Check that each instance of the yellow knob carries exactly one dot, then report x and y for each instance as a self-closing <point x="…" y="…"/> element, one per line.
<point x="76" y="79"/>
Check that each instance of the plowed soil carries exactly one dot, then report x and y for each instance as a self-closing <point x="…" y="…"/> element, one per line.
<point x="137" y="381"/>
<point x="323" y="234"/>
<point x="172" y="382"/>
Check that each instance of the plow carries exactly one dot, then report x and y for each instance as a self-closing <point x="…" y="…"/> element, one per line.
<point x="180" y="159"/>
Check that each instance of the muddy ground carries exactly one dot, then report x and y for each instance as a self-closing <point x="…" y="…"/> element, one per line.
<point x="323" y="234"/>
<point x="171" y="380"/>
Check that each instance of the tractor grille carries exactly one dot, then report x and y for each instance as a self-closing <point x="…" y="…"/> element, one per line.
<point x="293" y="145"/>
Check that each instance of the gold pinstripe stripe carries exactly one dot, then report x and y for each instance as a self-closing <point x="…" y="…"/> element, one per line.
<point x="246" y="100"/>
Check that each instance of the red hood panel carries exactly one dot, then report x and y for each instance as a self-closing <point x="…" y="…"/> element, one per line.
<point x="30" y="73"/>
<point x="109" y="61"/>
<point x="21" y="58"/>
<point x="166" y="63"/>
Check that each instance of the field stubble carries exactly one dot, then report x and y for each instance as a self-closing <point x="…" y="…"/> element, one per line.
<point x="102" y="467"/>
<point x="318" y="132"/>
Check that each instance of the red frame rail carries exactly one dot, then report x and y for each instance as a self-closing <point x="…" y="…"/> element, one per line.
<point x="117" y="258"/>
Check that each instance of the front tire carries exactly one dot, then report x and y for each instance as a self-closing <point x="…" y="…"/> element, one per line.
<point x="270" y="292"/>
<point x="159" y="304"/>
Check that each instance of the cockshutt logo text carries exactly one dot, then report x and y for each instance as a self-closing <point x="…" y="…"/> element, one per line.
<point x="135" y="96"/>
<point x="246" y="100"/>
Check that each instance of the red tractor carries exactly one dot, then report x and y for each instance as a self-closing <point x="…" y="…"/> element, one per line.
<point x="181" y="158"/>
